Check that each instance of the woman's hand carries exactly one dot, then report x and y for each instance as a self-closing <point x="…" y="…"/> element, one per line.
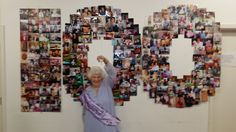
<point x="103" y="59"/>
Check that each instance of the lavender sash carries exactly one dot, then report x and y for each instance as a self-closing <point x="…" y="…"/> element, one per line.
<point x="97" y="111"/>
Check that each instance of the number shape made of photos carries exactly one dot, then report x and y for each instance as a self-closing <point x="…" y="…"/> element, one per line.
<point x="102" y="22"/>
<point x="199" y="25"/>
<point x="40" y="37"/>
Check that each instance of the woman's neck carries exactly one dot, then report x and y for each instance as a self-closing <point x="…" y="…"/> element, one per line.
<point x="96" y="89"/>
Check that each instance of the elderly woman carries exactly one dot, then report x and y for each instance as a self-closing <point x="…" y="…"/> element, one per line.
<point x="99" y="110"/>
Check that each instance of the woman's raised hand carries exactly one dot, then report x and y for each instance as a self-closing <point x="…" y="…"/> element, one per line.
<point x="101" y="58"/>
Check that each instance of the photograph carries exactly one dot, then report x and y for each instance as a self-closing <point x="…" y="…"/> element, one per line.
<point x="40" y="42"/>
<point x="196" y="24"/>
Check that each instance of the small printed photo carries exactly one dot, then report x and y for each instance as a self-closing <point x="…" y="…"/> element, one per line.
<point x="146" y="42"/>
<point x="182" y="21"/>
<point x="102" y="10"/>
<point x="68" y="28"/>
<point x="117" y="62"/>
<point x="75" y="71"/>
<point x="165" y="42"/>
<point x="24" y="14"/>
<point x="117" y="13"/>
<point x="109" y="12"/>
<point x="181" y="10"/>
<point x="204" y="95"/>
<point x="66" y="70"/>
<point x="217" y="38"/>
<point x="24" y="57"/>
<point x="95" y="19"/>
<point x="182" y="31"/>
<point x="208" y="32"/>
<point x="24" y="36"/>
<point x="125" y="16"/>
<point x="55" y="62"/>
<point x="94" y="11"/>
<point x="157" y="17"/>
<point x="163" y="59"/>
<point x="165" y="14"/>
<point x="173" y="15"/>
<point x="33" y="21"/>
<point x="55" y="52"/>
<point x="137" y="40"/>
<point x="165" y="67"/>
<point x="199" y="26"/>
<point x="43" y="46"/>
<point x="24" y="25"/>
<point x="43" y="13"/>
<point x="126" y="63"/>
<point x="147" y="31"/>
<point x="33" y="13"/>
<point x="44" y="92"/>
<point x="117" y="41"/>
<point x="44" y="28"/>
<point x="152" y="93"/>
<point x="94" y="35"/>
<point x="44" y="21"/>
<point x="130" y="23"/>
<point x="33" y="28"/>
<point x="101" y="31"/>
<point x="86" y="12"/>
<point x="202" y="11"/>
<point x="55" y="46"/>
<point x="174" y="24"/>
<point x="189" y="34"/>
<point x="86" y="29"/>
<point x="109" y="36"/>
<point x="118" y="52"/>
<point x="24" y="46"/>
<point x="87" y="39"/>
<point x="164" y="50"/>
<point x="55" y="37"/>
<point x="44" y="37"/>
<point x="34" y="45"/>
<point x="119" y="102"/>
<point x="102" y="20"/>
<point x="128" y="41"/>
<point x="55" y="12"/>
<point x="74" y="19"/>
<point x="189" y="100"/>
<point x="180" y="103"/>
<point x="44" y="61"/>
<point x="135" y="29"/>
<point x="55" y="28"/>
<point x="216" y="27"/>
<point x="137" y="49"/>
<point x="172" y="9"/>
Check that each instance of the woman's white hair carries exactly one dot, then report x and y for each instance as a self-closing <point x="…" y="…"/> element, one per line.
<point x="96" y="70"/>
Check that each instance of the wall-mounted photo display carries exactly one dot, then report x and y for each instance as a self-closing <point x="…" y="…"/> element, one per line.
<point x="194" y="23"/>
<point x="108" y="23"/>
<point x="40" y="39"/>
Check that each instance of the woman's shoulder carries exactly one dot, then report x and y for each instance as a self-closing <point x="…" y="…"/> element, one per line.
<point x="88" y="89"/>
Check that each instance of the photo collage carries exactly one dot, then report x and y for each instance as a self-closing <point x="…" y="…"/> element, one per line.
<point x="196" y="24"/>
<point x="133" y="57"/>
<point x="107" y="23"/>
<point x="40" y="38"/>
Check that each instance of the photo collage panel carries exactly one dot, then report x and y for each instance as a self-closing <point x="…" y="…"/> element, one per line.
<point x="102" y="23"/>
<point x="196" y="24"/>
<point x="40" y="38"/>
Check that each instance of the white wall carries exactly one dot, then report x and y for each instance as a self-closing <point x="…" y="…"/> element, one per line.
<point x="1" y="12"/>
<point x="223" y="106"/>
<point x="2" y="79"/>
<point x="138" y="115"/>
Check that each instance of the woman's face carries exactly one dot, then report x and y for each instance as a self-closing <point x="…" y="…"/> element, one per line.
<point x="96" y="80"/>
